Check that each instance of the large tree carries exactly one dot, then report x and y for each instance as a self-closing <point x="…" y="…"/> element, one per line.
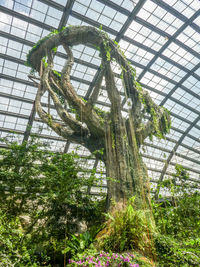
<point x="116" y="140"/>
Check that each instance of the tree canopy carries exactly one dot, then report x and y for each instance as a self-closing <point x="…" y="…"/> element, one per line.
<point x="114" y="138"/>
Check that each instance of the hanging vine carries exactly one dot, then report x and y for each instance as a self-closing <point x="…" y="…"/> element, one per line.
<point x="120" y="138"/>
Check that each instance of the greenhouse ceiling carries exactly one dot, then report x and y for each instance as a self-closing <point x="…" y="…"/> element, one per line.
<point x="160" y="38"/>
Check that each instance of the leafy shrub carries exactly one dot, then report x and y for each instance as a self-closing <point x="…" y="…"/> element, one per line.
<point x="178" y="223"/>
<point x="14" y="248"/>
<point x="126" y="229"/>
<point x="173" y="253"/>
<point x="100" y="259"/>
<point x="45" y="191"/>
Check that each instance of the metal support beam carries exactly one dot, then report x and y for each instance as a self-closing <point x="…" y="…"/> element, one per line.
<point x="98" y="102"/>
<point x="174" y="151"/>
<point x="115" y="7"/>
<point x="179" y="84"/>
<point x="66" y="13"/>
<point x="12" y="114"/>
<point x="96" y="163"/>
<point x="177" y="14"/>
<point x="166" y="35"/>
<point x="160" y="3"/>
<point x="169" y="41"/>
<point x="26" y="42"/>
<point x="94" y="23"/>
<point x="131" y="16"/>
<point x="169" y="151"/>
<point x="26" y="18"/>
<point x="53" y="4"/>
<point x="62" y="23"/>
<point x="117" y="39"/>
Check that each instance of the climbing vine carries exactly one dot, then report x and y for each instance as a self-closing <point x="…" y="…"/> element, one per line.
<point x="91" y="127"/>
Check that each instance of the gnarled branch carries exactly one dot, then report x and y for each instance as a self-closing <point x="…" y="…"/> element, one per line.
<point x="86" y="111"/>
<point x="93" y="98"/>
<point x="49" y="120"/>
<point x="162" y="120"/>
<point x="75" y="125"/>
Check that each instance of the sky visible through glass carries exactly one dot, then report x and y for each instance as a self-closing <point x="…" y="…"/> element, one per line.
<point x="160" y="38"/>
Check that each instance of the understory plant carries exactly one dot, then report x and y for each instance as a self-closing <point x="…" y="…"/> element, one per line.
<point x="92" y="257"/>
<point x="178" y="222"/>
<point x="14" y="248"/>
<point x="44" y="191"/>
<point x="106" y="259"/>
<point x="127" y="228"/>
<point x="43" y="200"/>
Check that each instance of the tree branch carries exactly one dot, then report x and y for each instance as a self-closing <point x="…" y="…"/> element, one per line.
<point x="57" y="127"/>
<point x="54" y="83"/>
<point x="47" y="118"/>
<point x="67" y="87"/>
<point x="94" y="96"/>
<point x="64" y="115"/>
<point x="149" y="128"/>
<point x="112" y="91"/>
<point x="86" y="115"/>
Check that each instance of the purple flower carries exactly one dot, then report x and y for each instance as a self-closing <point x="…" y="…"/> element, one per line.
<point x="126" y="259"/>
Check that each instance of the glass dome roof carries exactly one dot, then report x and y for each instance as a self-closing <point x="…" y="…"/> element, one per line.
<point x="161" y="39"/>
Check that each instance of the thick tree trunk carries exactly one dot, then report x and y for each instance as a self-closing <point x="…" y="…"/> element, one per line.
<point x="126" y="173"/>
<point x="120" y="138"/>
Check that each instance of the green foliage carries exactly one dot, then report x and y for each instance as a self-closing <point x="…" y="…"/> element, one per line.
<point x="160" y="129"/>
<point x="39" y="43"/>
<point x="54" y="49"/>
<point x="107" y="49"/>
<point x="101" y="112"/>
<point x="19" y="176"/>
<point x="178" y="222"/>
<point x="14" y="249"/>
<point x="57" y="74"/>
<point x="126" y="229"/>
<point x="45" y="62"/>
<point x="106" y="43"/>
<point x="100" y="259"/>
<point x="78" y="244"/>
<point x="45" y="191"/>
<point x="170" y="252"/>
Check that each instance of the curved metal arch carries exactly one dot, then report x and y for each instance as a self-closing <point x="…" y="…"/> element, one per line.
<point x="170" y="40"/>
<point x="117" y="39"/>
<point x="173" y="152"/>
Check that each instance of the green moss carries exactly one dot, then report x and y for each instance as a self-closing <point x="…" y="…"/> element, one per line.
<point x="50" y="120"/>
<point x="57" y="74"/>
<point x="39" y="43"/>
